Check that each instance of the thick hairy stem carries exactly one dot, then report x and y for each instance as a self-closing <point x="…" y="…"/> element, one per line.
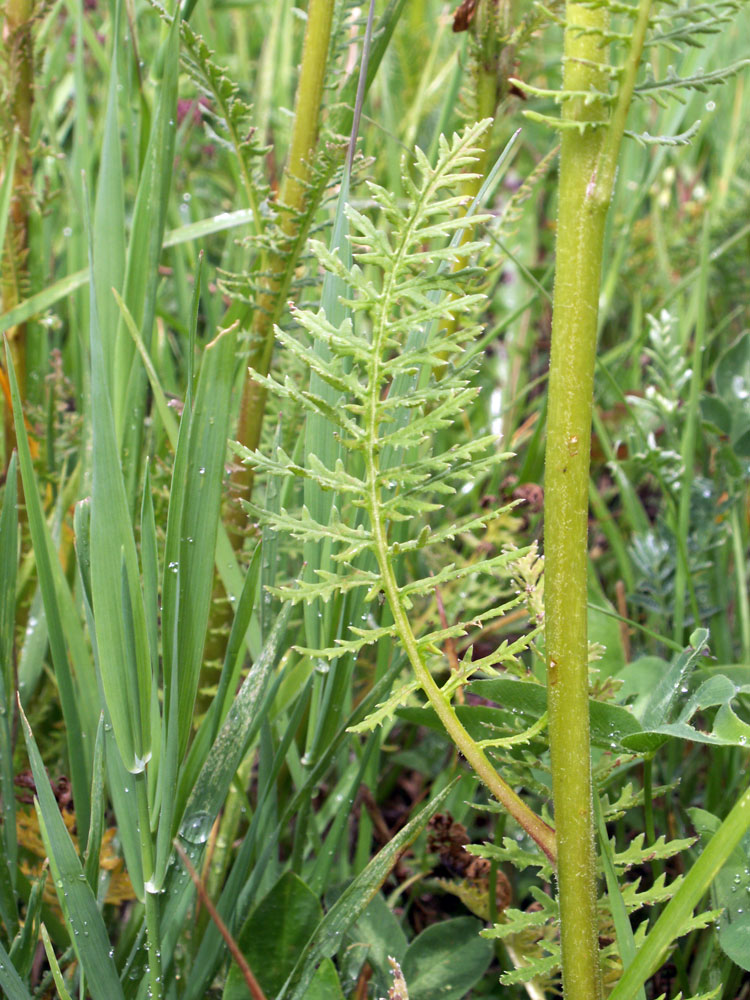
<point x="292" y="198"/>
<point x="19" y="57"/>
<point x="588" y="162"/>
<point x="580" y="236"/>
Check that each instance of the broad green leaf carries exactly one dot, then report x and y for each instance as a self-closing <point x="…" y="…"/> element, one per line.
<point x="274" y="934"/>
<point x="730" y="892"/>
<point x="446" y="960"/>
<point x="326" y="940"/>
<point x="376" y="935"/>
<point x="325" y="983"/>
<point x="88" y="934"/>
<point x="610" y="724"/>
<point x="671" y="683"/>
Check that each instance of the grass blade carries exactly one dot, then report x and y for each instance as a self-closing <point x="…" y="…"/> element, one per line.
<point x="9" y="562"/>
<point x="78" y="754"/>
<point x="88" y="934"/>
<point x="11" y="982"/>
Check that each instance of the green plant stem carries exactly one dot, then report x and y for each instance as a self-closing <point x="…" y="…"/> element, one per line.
<point x="151" y="901"/>
<point x="588" y="162"/>
<point x="580" y="238"/>
<point x="291" y="199"/>
<point x="17" y="42"/>
<point x="540" y="831"/>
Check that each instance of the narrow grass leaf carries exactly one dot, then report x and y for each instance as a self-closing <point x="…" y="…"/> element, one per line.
<point x="24" y="946"/>
<point x="11" y="982"/>
<point x="54" y="965"/>
<point x="9" y="562"/>
<point x="231" y="744"/>
<point x="88" y="934"/>
<point x="126" y="691"/>
<point x="625" y="939"/>
<point x="142" y="270"/>
<point x="109" y="216"/>
<point x="119" y="780"/>
<point x="166" y="415"/>
<point x="191" y="540"/>
<point x="77" y="748"/>
<point x="96" y="827"/>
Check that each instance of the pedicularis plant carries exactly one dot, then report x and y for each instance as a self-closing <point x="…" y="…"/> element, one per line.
<point x="241" y="673"/>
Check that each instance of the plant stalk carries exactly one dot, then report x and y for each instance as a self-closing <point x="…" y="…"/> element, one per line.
<point x="151" y="902"/>
<point x="588" y="162"/>
<point x="580" y="239"/>
<point x="297" y="175"/>
<point x="18" y="45"/>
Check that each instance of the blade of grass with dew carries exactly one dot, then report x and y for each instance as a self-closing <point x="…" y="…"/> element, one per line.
<point x="326" y="940"/>
<point x="695" y="884"/>
<point x="11" y="982"/>
<point x="126" y="681"/>
<point x="119" y="779"/>
<point x="190" y="548"/>
<point x="231" y="744"/>
<point x="78" y="753"/>
<point x="88" y="934"/>
<point x="9" y="562"/>
<point x="240" y="891"/>
<point x="142" y="268"/>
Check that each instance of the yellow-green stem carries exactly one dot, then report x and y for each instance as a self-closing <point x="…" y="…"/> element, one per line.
<point x="588" y="163"/>
<point x="580" y="237"/>
<point x="292" y="198"/>
<point x="151" y="902"/>
<point x="19" y="59"/>
<point x="540" y="831"/>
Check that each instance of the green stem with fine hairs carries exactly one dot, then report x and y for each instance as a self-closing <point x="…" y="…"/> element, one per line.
<point x="588" y="160"/>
